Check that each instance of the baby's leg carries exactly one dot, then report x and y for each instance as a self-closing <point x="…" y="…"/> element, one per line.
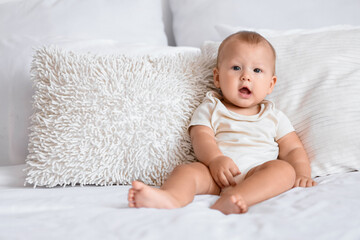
<point x="262" y="182"/>
<point x="178" y="190"/>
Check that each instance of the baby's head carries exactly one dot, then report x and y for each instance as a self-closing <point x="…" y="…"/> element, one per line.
<point x="245" y="69"/>
<point x="246" y="37"/>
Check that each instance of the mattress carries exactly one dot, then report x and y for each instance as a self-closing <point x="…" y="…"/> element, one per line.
<point x="330" y="210"/>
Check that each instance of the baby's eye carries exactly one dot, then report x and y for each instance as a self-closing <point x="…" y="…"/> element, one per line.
<point x="236" y="68"/>
<point x="257" y="70"/>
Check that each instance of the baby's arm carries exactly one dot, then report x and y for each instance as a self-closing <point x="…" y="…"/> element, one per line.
<point x="292" y="150"/>
<point x="222" y="168"/>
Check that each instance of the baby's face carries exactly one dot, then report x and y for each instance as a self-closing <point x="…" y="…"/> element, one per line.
<point x="245" y="73"/>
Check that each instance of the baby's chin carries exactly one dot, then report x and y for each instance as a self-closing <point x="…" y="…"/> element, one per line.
<point x="247" y="102"/>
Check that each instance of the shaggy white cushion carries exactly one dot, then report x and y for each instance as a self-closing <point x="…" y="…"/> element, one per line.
<point x="112" y="119"/>
<point x="318" y="88"/>
<point x="94" y="25"/>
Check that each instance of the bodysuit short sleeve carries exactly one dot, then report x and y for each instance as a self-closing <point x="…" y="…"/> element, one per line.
<point x="202" y="114"/>
<point x="284" y="126"/>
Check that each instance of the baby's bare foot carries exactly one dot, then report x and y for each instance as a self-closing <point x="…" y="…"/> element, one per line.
<point x="229" y="204"/>
<point x="141" y="195"/>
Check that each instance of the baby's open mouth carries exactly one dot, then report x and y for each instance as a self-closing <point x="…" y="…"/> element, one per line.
<point x="245" y="92"/>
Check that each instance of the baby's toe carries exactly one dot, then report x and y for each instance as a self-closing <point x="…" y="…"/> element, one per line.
<point x="131" y="198"/>
<point x="242" y="206"/>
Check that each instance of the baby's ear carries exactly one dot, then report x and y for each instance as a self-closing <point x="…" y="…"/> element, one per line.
<point x="272" y="84"/>
<point x="216" y="77"/>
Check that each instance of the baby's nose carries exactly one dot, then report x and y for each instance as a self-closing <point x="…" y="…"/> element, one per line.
<point x="245" y="77"/>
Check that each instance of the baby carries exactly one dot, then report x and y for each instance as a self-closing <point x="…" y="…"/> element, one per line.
<point x="248" y="150"/>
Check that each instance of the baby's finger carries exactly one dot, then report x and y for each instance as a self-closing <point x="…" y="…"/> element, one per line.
<point x="230" y="178"/>
<point x="216" y="179"/>
<point x="303" y="182"/>
<point x="309" y="183"/>
<point x="235" y="171"/>
<point x="223" y="180"/>
<point x="296" y="183"/>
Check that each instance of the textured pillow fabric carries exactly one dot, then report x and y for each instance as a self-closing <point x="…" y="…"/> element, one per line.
<point x="225" y="30"/>
<point x="29" y="24"/>
<point x="194" y="20"/>
<point x="112" y="119"/>
<point x="318" y="88"/>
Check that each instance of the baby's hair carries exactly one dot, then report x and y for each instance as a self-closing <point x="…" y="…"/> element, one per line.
<point x="248" y="37"/>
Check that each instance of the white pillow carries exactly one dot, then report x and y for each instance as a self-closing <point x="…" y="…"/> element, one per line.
<point x="112" y="119"/>
<point x="194" y="21"/>
<point x="136" y="21"/>
<point x="318" y="88"/>
<point x="82" y="24"/>
<point x="224" y="30"/>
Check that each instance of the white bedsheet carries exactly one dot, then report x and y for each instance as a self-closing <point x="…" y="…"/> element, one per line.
<point x="329" y="211"/>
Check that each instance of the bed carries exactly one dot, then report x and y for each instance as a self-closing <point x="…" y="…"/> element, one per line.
<point x="329" y="211"/>
<point x="94" y="96"/>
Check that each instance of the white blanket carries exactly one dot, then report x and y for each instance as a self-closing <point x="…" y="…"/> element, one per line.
<point x="330" y="210"/>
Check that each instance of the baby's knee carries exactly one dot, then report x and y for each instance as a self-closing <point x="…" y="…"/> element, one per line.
<point x="197" y="171"/>
<point x="286" y="170"/>
<point x="191" y="168"/>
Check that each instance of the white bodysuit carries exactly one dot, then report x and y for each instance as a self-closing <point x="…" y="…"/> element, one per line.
<point x="248" y="140"/>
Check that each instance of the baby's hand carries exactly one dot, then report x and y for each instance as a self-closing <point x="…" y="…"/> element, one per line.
<point x="303" y="181"/>
<point x="223" y="170"/>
